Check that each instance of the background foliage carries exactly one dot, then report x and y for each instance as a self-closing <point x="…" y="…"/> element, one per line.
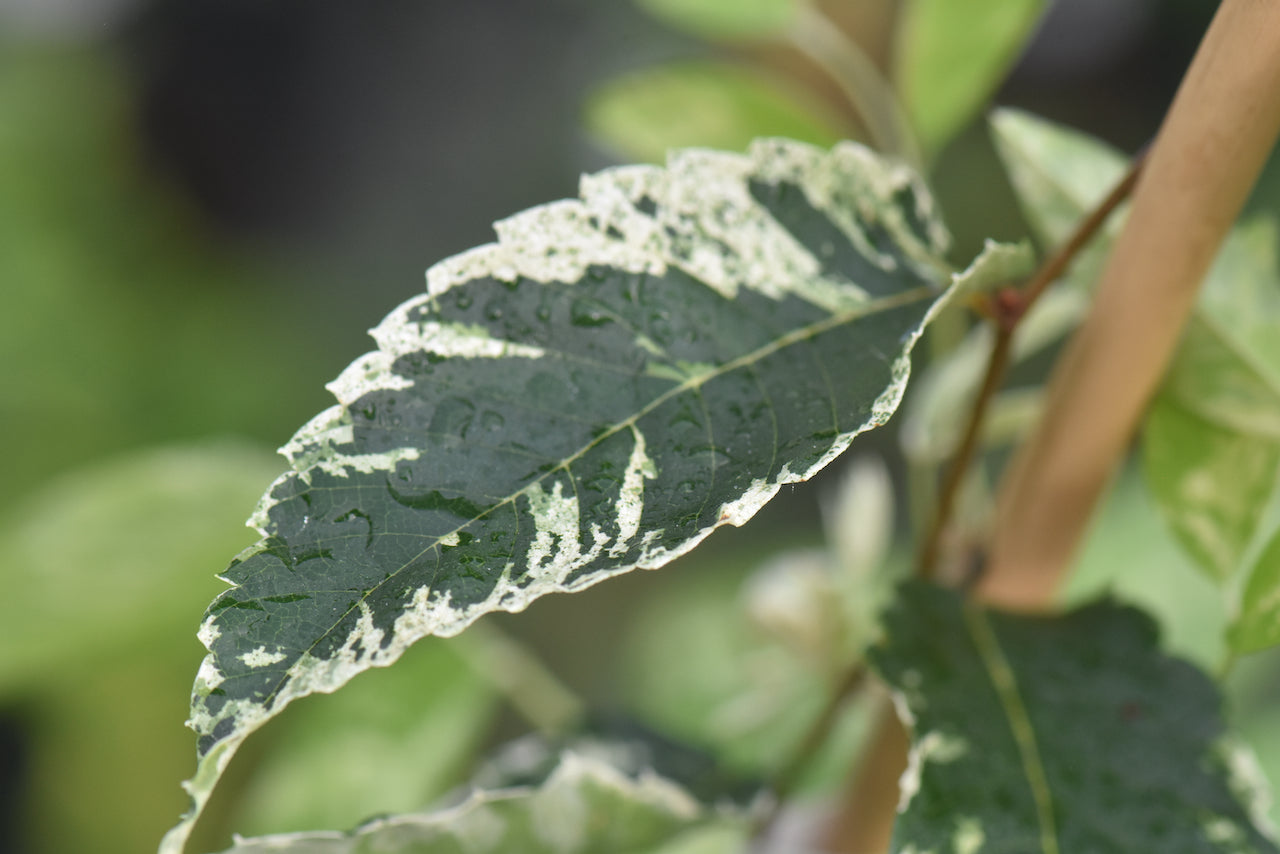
<point x="176" y="177"/>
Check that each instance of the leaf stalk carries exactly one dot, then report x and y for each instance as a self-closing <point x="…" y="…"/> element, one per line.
<point x="1006" y="309"/>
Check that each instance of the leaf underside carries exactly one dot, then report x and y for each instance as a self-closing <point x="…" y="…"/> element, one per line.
<point x="1063" y="734"/>
<point x="600" y="389"/>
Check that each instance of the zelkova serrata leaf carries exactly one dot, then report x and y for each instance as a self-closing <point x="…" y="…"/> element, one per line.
<point x="1060" y="734"/>
<point x="597" y="391"/>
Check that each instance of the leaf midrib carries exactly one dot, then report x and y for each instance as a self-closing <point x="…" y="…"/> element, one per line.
<point x="1005" y="683"/>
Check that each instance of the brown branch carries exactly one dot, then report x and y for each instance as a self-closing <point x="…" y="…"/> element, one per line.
<point x="997" y="365"/>
<point x="865" y="823"/>
<point x="788" y="777"/>
<point x="1007" y="311"/>
<point x="1205" y="160"/>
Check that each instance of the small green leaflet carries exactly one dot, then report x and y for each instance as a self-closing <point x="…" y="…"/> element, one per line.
<point x="596" y="392"/>
<point x="715" y="104"/>
<point x="1258" y="625"/>
<point x="1212" y="439"/>
<point x="1060" y="734"/>
<point x="951" y="57"/>
<point x="1058" y="173"/>
<point x="585" y="805"/>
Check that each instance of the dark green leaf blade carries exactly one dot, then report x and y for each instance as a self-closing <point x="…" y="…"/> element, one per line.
<point x="600" y="389"/>
<point x="1059" y="734"/>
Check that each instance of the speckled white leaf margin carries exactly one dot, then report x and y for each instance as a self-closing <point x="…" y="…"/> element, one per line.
<point x="707" y="224"/>
<point x="560" y="815"/>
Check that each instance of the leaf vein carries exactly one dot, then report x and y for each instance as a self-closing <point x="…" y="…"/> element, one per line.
<point x="1005" y="683"/>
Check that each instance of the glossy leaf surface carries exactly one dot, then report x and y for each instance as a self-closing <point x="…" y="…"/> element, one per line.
<point x="1059" y="734"/>
<point x="599" y="390"/>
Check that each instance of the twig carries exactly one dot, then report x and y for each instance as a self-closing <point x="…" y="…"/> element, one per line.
<point x="997" y="365"/>
<point x="1007" y="310"/>
<point x="1213" y="143"/>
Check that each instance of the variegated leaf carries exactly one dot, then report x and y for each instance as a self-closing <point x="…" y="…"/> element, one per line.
<point x="585" y="805"/>
<point x="1060" y="734"/>
<point x="612" y="380"/>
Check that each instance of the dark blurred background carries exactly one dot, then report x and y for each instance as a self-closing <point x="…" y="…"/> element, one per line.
<point x="204" y="204"/>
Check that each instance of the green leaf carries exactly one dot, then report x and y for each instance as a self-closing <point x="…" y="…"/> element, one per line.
<point x="1059" y="734"/>
<point x="599" y="390"/>
<point x="713" y="104"/>
<point x="725" y="19"/>
<point x="951" y="57"/>
<point x="1059" y="174"/>
<point x="626" y="745"/>
<point x="1212" y="483"/>
<point x="1258" y="625"/>
<point x="1212" y="439"/>
<point x="103" y="558"/>
<point x="382" y="745"/>
<point x="585" y="805"/>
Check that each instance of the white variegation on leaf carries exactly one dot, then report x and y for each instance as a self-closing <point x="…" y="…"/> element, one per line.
<point x="600" y="389"/>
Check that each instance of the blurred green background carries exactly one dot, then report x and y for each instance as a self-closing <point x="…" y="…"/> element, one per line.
<point x="204" y="204"/>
